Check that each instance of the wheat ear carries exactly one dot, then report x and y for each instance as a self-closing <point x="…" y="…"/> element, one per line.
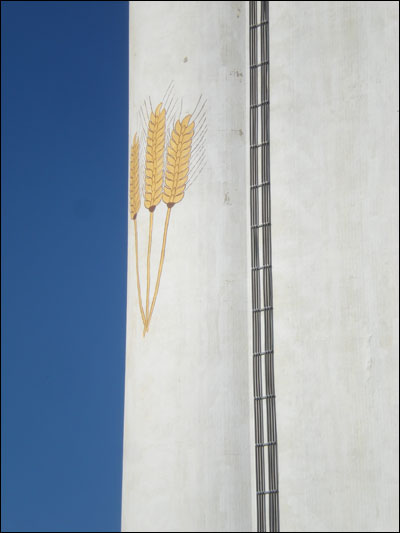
<point x="176" y="175"/>
<point x="154" y="175"/>
<point x="134" y="201"/>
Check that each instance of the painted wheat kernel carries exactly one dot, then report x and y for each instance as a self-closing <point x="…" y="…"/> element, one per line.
<point x="176" y="175"/>
<point x="154" y="177"/>
<point x="134" y="201"/>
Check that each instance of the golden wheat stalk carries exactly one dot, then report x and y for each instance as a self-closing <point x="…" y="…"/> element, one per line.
<point x="176" y="175"/>
<point x="160" y="267"/>
<point x="154" y="175"/>
<point x="134" y="202"/>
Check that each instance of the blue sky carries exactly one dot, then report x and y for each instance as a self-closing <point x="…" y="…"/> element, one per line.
<point x="64" y="233"/>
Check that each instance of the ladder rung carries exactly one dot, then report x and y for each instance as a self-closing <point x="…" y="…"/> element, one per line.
<point x="262" y="184"/>
<point x="267" y="352"/>
<point x="262" y="309"/>
<point x="255" y="226"/>
<point x="256" y="65"/>
<point x="264" y="102"/>
<point x="267" y="397"/>
<point x="262" y="23"/>
<point x="261" y="267"/>
<point x="262" y="444"/>
<point x="263" y="143"/>
<point x="261" y="492"/>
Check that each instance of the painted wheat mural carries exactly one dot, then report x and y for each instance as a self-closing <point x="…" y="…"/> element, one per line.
<point x="174" y="158"/>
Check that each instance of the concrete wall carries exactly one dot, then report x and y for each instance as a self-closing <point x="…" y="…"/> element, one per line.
<point x="334" y="167"/>
<point x="187" y="442"/>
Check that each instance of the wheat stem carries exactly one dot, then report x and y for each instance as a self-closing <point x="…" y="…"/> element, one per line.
<point x="148" y="268"/>
<point x="160" y="267"/>
<point x="137" y="274"/>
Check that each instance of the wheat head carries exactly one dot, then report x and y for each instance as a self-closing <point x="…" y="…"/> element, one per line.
<point x="178" y="157"/>
<point x="176" y="175"/>
<point x="134" y="192"/>
<point x="154" y="158"/>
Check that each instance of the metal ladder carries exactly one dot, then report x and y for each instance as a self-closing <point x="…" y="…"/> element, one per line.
<point x="266" y="448"/>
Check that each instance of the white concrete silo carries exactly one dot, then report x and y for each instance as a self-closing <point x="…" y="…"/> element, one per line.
<point x="187" y="442"/>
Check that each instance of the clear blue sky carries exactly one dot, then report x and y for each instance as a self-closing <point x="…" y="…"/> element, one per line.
<point x="64" y="233"/>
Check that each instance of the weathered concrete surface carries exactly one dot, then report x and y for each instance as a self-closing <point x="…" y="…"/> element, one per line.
<point x="187" y="441"/>
<point x="334" y="150"/>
